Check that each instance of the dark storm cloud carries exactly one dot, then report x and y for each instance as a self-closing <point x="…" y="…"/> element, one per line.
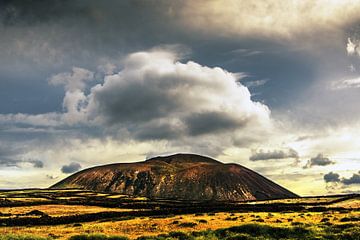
<point x="332" y="177"/>
<point x="30" y="12"/>
<point x="9" y="155"/>
<point x="15" y="162"/>
<point x="9" y="162"/>
<point x="72" y="167"/>
<point x="319" y="160"/>
<point x="40" y="38"/>
<point x="97" y="26"/>
<point x="118" y="104"/>
<point x="276" y="154"/>
<point x="157" y="131"/>
<point x="210" y="122"/>
<point x="354" y="179"/>
<point x="53" y="36"/>
<point x="7" y="150"/>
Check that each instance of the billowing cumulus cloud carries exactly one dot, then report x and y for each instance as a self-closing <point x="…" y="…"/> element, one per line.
<point x="319" y="160"/>
<point x="156" y="96"/>
<point x="259" y="155"/>
<point x="155" y="102"/>
<point x="74" y="84"/>
<point x="72" y="167"/>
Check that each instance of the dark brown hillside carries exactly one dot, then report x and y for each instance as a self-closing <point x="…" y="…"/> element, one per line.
<point x="181" y="177"/>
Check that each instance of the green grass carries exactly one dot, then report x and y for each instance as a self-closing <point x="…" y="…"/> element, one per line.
<point x="242" y="232"/>
<point x="21" y="237"/>
<point x="266" y="232"/>
<point x="97" y="237"/>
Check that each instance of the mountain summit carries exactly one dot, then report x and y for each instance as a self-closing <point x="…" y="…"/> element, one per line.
<point x="180" y="177"/>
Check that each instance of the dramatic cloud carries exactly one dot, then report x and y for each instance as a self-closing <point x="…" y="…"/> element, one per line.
<point x="270" y="18"/>
<point x="11" y="156"/>
<point x="156" y="97"/>
<point x="332" y="177"/>
<point x="72" y="167"/>
<point x="319" y="160"/>
<point x="276" y="154"/>
<point x="14" y="162"/>
<point x="354" y="179"/>
<point x="121" y="106"/>
<point x="163" y="97"/>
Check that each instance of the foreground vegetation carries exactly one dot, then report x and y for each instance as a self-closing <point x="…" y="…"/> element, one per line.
<point x="245" y="232"/>
<point x="78" y="214"/>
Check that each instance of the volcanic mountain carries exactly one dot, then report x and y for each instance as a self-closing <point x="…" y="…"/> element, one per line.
<point x="181" y="177"/>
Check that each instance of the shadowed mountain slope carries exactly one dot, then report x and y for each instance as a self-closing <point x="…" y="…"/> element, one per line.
<point x="181" y="177"/>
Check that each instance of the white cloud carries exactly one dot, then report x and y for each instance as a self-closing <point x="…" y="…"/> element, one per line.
<point x="352" y="47"/>
<point x="256" y="83"/>
<point x="345" y="84"/>
<point x="74" y="80"/>
<point x="270" y="18"/>
<point x="155" y="97"/>
<point x="157" y="94"/>
<point x="75" y="99"/>
<point x="46" y="119"/>
<point x="158" y="104"/>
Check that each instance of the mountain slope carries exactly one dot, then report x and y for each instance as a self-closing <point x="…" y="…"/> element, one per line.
<point x="180" y="176"/>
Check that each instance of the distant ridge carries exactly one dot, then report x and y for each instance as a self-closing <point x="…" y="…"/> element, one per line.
<point x="179" y="176"/>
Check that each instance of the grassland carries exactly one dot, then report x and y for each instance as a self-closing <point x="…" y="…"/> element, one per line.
<point x="78" y="214"/>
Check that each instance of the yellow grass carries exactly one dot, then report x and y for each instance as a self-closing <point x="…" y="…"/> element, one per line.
<point x="59" y="210"/>
<point x="117" y="196"/>
<point x="297" y="200"/>
<point x="153" y="226"/>
<point x="352" y="204"/>
<point x="28" y="199"/>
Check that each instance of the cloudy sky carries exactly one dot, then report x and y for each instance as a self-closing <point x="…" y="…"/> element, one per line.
<point x="271" y="85"/>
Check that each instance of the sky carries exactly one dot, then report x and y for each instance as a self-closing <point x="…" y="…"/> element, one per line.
<point x="271" y="85"/>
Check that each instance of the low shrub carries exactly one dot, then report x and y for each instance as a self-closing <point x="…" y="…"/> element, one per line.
<point x="180" y="236"/>
<point x="350" y="219"/>
<point x="202" y="221"/>
<point x="187" y="224"/>
<point x="256" y="230"/>
<point x="97" y="237"/>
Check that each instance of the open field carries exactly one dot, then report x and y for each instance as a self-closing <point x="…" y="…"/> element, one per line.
<point x="61" y="214"/>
